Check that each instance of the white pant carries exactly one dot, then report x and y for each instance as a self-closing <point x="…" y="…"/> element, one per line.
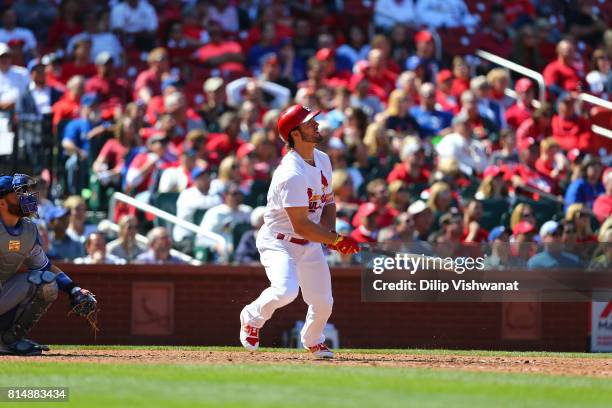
<point x="290" y="267"/>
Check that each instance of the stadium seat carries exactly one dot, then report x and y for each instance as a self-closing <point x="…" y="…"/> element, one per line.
<point x="165" y="202"/>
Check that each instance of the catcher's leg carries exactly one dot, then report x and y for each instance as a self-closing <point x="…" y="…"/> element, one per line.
<point x="23" y="301"/>
<point x="315" y="282"/>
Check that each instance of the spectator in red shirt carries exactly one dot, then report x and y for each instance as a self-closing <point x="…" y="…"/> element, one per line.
<point x="334" y="77"/>
<point x="110" y="90"/>
<point x="523" y="108"/>
<point x="536" y="128"/>
<point x="444" y="95"/>
<point x="221" y="145"/>
<point x="551" y="163"/>
<point x="185" y="118"/>
<point x="569" y="129"/>
<point x="496" y="39"/>
<point x="53" y="71"/>
<point x="602" y="207"/>
<point x="378" y="194"/>
<point x="472" y="231"/>
<point x="148" y="82"/>
<point x="377" y="71"/>
<point x="560" y="75"/>
<point x="367" y="230"/>
<point x="224" y="55"/>
<point x="412" y="168"/>
<point x="461" y="76"/>
<point x="67" y="24"/>
<point x="81" y="63"/>
<point x="67" y="107"/>
<point x="146" y="167"/>
<point x="524" y="174"/>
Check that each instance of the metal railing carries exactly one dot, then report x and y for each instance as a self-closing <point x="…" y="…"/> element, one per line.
<point x="107" y="225"/>
<point x="210" y="238"/>
<point x="513" y="66"/>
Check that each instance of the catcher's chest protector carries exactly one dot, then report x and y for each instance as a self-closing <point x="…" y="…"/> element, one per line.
<point x="15" y="249"/>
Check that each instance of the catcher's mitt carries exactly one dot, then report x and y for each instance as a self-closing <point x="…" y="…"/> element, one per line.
<point x="83" y="303"/>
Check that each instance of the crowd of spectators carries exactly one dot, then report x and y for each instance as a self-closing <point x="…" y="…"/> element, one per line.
<point x="176" y="102"/>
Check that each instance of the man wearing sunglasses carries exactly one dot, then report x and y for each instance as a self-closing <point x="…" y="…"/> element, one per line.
<point x="299" y="217"/>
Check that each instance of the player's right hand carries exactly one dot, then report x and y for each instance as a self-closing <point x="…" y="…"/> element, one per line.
<point x="346" y="245"/>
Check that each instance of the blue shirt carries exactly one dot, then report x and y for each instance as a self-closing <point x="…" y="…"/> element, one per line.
<point x="580" y="191"/>
<point x="66" y="248"/>
<point x="431" y="122"/>
<point x="550" y="260"/>
<point x="76" y="131"/>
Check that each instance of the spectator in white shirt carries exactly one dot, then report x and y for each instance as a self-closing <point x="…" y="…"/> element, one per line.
<point x="14" y="80"/>
<point x="126" y="246"/>
<point x="246" y="88"/>
<point x="136" y="20"/>
<point x="176" y="179"/>
<point x="221" y="219"/>
<point x="95" y="246"/>
<point x="10" y="31"/>
<point x="447" y="13"/>
<point x="388" y="13"/>
<point x="459" y="145"/>
<point x="192" y="199"/>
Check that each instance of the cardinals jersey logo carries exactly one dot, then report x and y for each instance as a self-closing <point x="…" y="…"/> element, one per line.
<point x="313" y="200"/>
<point x="14" y="246"/>
<point x="324" y="181"/>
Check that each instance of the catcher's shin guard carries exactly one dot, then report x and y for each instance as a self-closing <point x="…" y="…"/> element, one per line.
<point x="30" y="311"/>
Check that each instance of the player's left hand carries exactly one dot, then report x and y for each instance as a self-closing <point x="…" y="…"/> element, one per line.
<point x="346" y="245"/>
<point x="83" y="302"/>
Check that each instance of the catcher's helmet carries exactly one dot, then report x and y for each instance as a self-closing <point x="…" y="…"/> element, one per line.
<point x="292" y="118"/>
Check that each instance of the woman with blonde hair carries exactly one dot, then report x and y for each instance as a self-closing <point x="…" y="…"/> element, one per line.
<point x="399" y="196"/>
<point x="228" y="173"/>
<point x="77" y="229"/>
<point x="492" y="186"/>
<point x="376" y="140"/>
<point x="344" y="193"/>
<point x="440" y="197"/>
<point x="522" y="212"/>
<point x="397" y="114"/>
<point x="581" y="217"/>
<point x="499" y="80"/>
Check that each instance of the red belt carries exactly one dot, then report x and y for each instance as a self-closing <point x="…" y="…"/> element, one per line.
<point x="298" y="241"/>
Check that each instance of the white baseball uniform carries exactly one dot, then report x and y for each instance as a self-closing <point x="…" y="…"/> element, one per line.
<point x="290" y="266"/>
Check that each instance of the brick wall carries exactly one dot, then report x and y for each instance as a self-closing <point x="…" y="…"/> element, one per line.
<point x="150" y="304"/>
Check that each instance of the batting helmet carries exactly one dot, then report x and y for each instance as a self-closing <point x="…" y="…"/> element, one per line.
<point x="292" y="118"/>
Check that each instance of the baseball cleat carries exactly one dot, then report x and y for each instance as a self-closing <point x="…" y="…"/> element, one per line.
<point x="321" y="351"/>
<point x="23" y="347"/>
<point x="249" y="337"/>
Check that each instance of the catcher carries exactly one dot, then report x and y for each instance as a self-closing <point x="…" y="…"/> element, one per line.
<point x="26" y="296"/>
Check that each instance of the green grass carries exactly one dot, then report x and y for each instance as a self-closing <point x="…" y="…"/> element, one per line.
<point x="292" y="385"/>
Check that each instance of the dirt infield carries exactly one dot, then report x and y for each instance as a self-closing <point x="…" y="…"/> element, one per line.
<point x="594" y="367"/>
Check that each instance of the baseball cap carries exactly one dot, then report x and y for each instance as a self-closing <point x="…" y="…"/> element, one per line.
<point x="367" y="209"/>
<point x="414" y="62"/>
<point x="324" y="54"/>
<point x="169" y="82"/>
<point x="417" y="207"/>
<point x="292" y="118"/>
<point x="496" y="233"/>
<point x="34" y="63"/>
<point x="423" y="36"/>
<point x="104" y="58"/>
<point x="54" y="213"/>
<point x="244" y="150"/>
<point x="444" y="75"/>
<point x="6" y="185"/>
<point x="4" y="49"/>
<point x="89" y="99"/>
<point x="523" y="227"/>
<point x="212" y="84"/>
<point x="197" y="172"/>
<point x="549" y="228"/>
<point x="270" y="59"/>
<point x="523" y="85"/>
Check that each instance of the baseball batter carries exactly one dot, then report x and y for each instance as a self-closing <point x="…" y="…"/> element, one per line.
<point x="299" y="217"/>
<point x="26" y="296"/>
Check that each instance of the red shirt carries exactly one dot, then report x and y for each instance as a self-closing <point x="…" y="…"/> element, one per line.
<point x="481" y="236"/>
<point x="401" y="172"/>
<point x="527" y="129"/>
<point x="459" y="86"/>
<point x="70" y="69"/>
<point x="147" y="79"/>
<point x="496" y="43"/>
<point x="530" y="176"/>
<point x="602" y="207"/>
<point x="359" y="236"/>
<point x="220" y="146"/>
<point x="65" y="109"/>
<point x="113" y="154"/>
<point x="211" y="50"/>
<point x="572" y="133"/>
<point x="59" y="33"/>
<point x="447" y="102"/>
<point x="385" y="80"/>
<point x="112" y="91"/>
<point x="517" y="114"/>
<point x="386" y="216"/>
<point x="565" y="76"/>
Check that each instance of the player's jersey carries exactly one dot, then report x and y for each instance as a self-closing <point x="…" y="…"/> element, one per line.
<point x="296" y="183"/>
<point x="19" y="245"/>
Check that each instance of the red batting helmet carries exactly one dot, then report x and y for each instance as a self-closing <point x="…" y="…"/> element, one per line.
<point x="292" y="118"/>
